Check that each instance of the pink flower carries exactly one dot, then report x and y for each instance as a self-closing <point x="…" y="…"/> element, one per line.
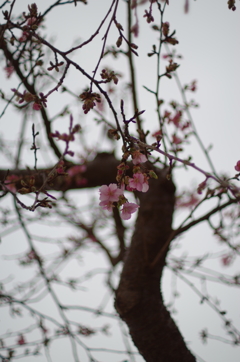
<point x="9" y="70"/>
<point x="11" y="181"/>
<point x="106" y="205"/>
<point x="139" y="182"/>
<point x="191" y="200"/>
<point x="193" y="86"/>
<point x="227" y="260"/>
<point x="157" y="134"/>
<point x="24" y="36"/>
<point x="31" y="255"/>
<point x="135" y="29"/>
<point x="75" y="170"/>
<point x="176" y="140"/>
<point x="201" y="187"/>
<point x="31" y="21"/>
<point x="110" y="193"/>
<point x="138" y="157"/>
<point x="37" y="106"/>
<point x="21" y="340"/>
<point x="166" y="56"/>
<point x="176" y="119"/>
<point x="237" y="167"/>
<point x="128" y="209"/>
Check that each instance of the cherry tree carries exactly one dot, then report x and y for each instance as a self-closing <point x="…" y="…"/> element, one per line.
<point x="92" y="186"/>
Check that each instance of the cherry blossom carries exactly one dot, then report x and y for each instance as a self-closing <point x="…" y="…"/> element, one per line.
<point x="110" y="193"/>
<point x="138" y="157"/>
<point x="106" y="205"/>
<point x="128" y="209"/>
<point x="189" y="201"/>
<point x="176" y="140"/>
<point x="176" y="119"/>
<point x="139" y="182"/>
<point x="11" y="180"/>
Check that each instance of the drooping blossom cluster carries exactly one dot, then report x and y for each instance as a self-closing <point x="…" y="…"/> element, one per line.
<point x="89" y="100"/>
<point x="67" y="137"/>
<point x="187" y="200"/>
<point x="38" y="101"/>
<point x="182" y="129"/>
<point x="112" y="195"/>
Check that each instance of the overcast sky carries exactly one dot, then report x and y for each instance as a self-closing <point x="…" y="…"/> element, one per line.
<point x="209" y="43"/>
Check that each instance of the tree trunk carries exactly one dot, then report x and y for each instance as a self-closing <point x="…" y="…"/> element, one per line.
<point x="139" y="300"/>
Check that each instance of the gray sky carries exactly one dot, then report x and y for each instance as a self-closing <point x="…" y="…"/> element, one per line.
<point x="208" y="42"/>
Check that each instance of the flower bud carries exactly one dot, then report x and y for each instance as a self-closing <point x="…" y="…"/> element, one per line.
<point x="119" y="42"/>
<point x="152" y="174"/>
<point x="28" y="97"/>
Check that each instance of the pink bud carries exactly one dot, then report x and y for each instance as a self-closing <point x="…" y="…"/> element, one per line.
<point x="37" y="106"/>
<point x="237" y="167"/>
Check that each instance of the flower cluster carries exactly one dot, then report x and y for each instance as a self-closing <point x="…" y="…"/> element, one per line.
<point x="187" y="199"/>
<point x="67" y="138"/>
<point x="192" y="86"/>
<point x="33" y="18"/>
<point x="38" y="101"/>
<point x="171" y="67"/>
<point x="182" y="129"/>
<point x="109" y="75"/>
<point x="110" y="194"/>
<point x="28" y="186"/>
<point x="113" y="195"/>
<point x="148" y="16"/>
<point x="168" y="38"/>
<point x="89" y="100"/>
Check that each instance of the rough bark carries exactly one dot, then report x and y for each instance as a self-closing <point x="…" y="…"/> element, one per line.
<point x="139" y="300"/>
